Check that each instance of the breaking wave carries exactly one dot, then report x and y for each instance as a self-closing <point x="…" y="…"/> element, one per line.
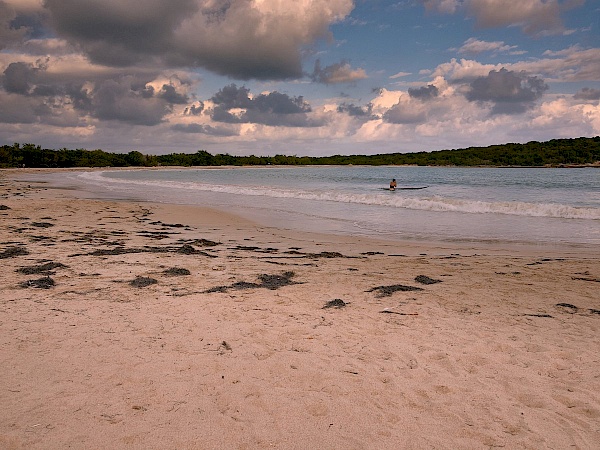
<point x="382" y="198"/>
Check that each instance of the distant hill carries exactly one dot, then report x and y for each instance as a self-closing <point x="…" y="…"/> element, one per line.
<point x="555" y="153"/>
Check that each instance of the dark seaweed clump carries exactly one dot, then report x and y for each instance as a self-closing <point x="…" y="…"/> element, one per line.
<point x="42" y="224"/>
<point x="387" y="291"/>
<point x="11" y="252"/>
<point x="335" y="303"/>
<point x="3" y="207"/>
<point x="276" y="281"/>
<point x="141" y="282"/>
<point x="567" y="307"/>
<point x="272" y="282"/>
<point x="423" y="279"/>
<point x="40" y="283"/>
<point x="42" y="268"/>
<point x="177" y="271"/>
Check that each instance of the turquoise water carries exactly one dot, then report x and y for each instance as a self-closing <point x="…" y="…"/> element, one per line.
<point x="532" y="206"/>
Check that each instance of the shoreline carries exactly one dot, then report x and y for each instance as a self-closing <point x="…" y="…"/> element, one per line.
<point x="554" y="249"/>
<point x="127" y="324"/>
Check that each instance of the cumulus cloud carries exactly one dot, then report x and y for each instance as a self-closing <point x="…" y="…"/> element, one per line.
<point x="198" y="128"/>
<point x="18" y="78"/>
<point x="360" y="112"/>
<point x="567" y="65"/>
<point x="510" y="92"/>
<point x="236" y="105"/>
<point x="239" y="38"/>
<point x="587" y="94"/>
<point x="425" y="92"/>
<point x="8" y="33"/>
<point x="337" y="73"/>
<point x="127" y="100"/>
<point x="132" y="99"/>
<point x="195" y="109"/>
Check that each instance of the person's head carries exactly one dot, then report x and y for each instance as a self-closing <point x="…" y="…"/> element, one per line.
<point x="393" y="179"/>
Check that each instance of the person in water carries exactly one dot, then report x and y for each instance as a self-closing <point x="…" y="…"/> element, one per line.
<point x="393" y="185"/>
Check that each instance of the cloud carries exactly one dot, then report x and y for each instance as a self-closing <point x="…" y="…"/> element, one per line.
<point x="127" y="100"/>
<point x="361" y="112"/>
<point x="425" y="92"/>
<point x="235" y="105"/>
<point x="194" y="110"/>
<point x="238" y="38"/>
<point x="442" y="6"/>
<point x="510" y="92"/>
<point x="400" y="75"/>
<point x="9" y="34"/>
<point x="337" y="73"/>
<point x="18" y="78"/>
<point x="567" y="65"/>
<point x="198" y="128"/>
<point x="475" y="47"/>
<point x="170" y="94"/>
<point x="405" y="111"/>
<point x="587" y="94"/>
<point x="534" y="17"/>
<point x="131" y="99"/>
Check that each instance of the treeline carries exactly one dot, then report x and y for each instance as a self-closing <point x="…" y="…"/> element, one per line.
<point x="557" y="152"/>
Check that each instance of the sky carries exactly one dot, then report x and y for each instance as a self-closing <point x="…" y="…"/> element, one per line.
<point x="297" y="77"/>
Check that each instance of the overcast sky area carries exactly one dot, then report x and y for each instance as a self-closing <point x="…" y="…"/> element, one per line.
<point x="297" y="77"/>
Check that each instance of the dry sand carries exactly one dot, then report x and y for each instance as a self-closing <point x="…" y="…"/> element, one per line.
<point x="107" y="342"/>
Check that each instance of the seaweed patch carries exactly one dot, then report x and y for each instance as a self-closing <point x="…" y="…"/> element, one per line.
<point x="177" y="271"/>
<point x="40" y="283"/>
<point x="271" y="282"/>
<point x="141" y="282"/>
<point x="387" y="291"/>
<point x="11" y="252"/>
<point x="423" y="279"/>
<point x="41" y="269"/>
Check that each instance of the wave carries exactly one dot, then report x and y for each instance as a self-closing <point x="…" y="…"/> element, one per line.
<point x="396" y="200"/>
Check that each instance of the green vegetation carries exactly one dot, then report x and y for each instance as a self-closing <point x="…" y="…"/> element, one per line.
<point x="557" y="152"/>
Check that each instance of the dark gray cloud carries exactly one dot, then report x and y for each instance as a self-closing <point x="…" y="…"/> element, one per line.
<point x="11" y="31"/>
<point x="170" y="94"/>
<point x="425" y="92"/>
<point x="362" y="112"/>
<point x="236" y="38"/>
<point x="336" y="73"/>
<point x="194" y="110"/>
<point x="18" y="78"/>
<point x="510" y="92"/>
<point x="116" y="33"/>
<point x="123" y="100"/>
<point x="16" y="109"/>
<point x="587" y="94"/>
<point x="129" y="99"/>
<point x="235" y="105"/>
<point x="204" y="129"/>
<point x="404" y="114"/>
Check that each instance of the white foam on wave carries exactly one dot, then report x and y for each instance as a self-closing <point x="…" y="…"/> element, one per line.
<point x="397" y="200"/>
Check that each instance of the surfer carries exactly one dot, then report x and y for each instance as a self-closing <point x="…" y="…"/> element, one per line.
<point x="393" y="185"/>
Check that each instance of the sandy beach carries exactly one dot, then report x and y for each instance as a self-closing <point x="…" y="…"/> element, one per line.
<point x="153" y="326"/>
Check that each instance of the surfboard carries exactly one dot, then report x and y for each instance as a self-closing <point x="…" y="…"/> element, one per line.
<point x="405" y="188"/>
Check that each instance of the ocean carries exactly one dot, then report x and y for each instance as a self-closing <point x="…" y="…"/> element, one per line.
<point x="533" y="206"/>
